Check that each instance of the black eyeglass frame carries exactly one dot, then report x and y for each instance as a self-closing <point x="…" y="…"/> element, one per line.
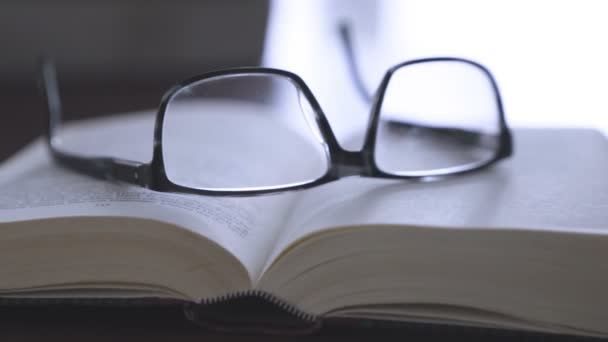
<point x="342" y="163"/>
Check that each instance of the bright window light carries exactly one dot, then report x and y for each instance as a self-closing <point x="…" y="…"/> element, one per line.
<point x="550" y="58"/>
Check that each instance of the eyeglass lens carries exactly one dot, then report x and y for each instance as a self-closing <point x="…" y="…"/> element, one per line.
<point x="437" y="117"/>
<point x="242" y="131"/>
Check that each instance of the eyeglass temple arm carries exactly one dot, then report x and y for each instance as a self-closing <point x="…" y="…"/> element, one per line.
<point x="462" y="136"/>
<point x="347" y="44"/>
<point x="345" y="36"/>
<point x="102" y="168"/>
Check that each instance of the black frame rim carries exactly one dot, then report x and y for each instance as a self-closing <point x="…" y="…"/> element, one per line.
<point x="342" y="163"/>
<point x="505" y="147"/>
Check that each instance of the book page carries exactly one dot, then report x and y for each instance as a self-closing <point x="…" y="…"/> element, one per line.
<point x="556" y="180"/>
<point x="32" y="186"/>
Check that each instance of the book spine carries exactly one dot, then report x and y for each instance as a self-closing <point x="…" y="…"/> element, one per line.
<point x="252" y="311"/>
<point x="268" y="298"/>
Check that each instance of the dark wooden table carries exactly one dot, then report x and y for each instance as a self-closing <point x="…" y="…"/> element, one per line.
<point x="132" y="324"/>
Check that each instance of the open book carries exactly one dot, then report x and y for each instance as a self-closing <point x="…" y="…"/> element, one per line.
<point x="522" y="245"/>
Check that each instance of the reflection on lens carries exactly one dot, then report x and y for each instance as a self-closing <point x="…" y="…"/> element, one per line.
<point x="241" y="132"/>
<point x="437" y="117"/>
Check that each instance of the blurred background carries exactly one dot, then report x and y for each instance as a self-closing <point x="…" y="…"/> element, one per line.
<point x="115" y="55"/>
<point x="549" y="57"/>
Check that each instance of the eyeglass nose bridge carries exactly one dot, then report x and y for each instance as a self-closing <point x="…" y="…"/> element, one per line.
<point x="351" y="163"/>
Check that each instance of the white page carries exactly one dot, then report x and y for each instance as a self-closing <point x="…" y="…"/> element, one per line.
<point x="556" y="180"/>
<point x="33" y="186"/>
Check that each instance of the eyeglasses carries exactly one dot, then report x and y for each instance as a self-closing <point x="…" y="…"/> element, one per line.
<point x="249" y="131"/>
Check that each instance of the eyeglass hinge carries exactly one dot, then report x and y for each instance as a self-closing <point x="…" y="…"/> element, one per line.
<point x="130" y="172"/>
